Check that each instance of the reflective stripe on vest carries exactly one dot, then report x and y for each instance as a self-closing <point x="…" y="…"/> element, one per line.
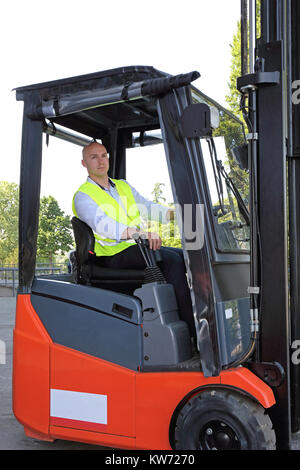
<point x="130" y="216"/>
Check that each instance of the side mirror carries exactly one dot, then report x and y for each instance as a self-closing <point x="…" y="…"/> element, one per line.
<point x="198" y="120"/>
<point x="240" y="155"/>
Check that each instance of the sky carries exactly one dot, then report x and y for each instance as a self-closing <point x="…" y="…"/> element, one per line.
<point x="43" y="41"/>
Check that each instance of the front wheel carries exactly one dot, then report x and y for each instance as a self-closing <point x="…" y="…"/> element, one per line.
<point x="223" y="420"/>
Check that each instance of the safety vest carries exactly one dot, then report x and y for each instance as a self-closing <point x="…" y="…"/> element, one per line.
<point x="130" y="216"/>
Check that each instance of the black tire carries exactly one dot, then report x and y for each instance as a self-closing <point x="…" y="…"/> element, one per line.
<point x="223" y="420"/>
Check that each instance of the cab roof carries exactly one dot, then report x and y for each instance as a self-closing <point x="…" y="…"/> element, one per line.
<point x="94" y="104"/>
<point x="104" y="79"/>
<point x="135" y="115"/>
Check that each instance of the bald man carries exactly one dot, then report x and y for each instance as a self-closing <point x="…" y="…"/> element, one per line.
<point x="113" y="209"/>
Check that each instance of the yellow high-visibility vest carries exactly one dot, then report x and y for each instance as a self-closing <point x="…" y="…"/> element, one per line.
<point x="130" y="216"/>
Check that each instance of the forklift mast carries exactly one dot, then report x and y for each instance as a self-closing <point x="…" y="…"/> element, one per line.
<point x="275" y="211"/>
<point x="294" y="206"/>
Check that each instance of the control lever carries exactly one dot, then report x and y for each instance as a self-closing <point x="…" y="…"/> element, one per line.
<point x="155" y="255"/>
<point x="148" y="251"/>
<point x="140" y="242"/>
<point x="151" y="257"/>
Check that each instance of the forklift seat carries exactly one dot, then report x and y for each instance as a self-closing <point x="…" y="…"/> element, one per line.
<point x="86" y="266"/>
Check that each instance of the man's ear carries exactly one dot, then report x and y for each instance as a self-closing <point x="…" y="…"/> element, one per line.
<point x="83" y="163"/>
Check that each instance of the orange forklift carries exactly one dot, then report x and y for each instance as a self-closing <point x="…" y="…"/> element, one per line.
<point x="100" y="355"/>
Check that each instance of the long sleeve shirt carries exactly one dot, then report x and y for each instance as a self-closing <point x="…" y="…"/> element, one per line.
<point x="89" y="212"/>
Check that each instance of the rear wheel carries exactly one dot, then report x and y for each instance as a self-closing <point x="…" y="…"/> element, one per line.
<point x="222" y="420"/>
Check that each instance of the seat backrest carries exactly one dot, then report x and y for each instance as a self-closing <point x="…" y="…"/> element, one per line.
<point x="84" y="240"/>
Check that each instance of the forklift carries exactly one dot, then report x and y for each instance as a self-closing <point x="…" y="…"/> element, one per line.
<point x="100" y="355"/>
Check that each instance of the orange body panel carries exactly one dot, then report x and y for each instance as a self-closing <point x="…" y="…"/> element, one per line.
<point x="31" y="353"/>
<point x="72" y="370"/>
<point x="243" y="379"/>
<point x="157" y="396"/>
<point x="159" y="393"/>
<point x="90" y="437"/>
<point x="140" y="405"/>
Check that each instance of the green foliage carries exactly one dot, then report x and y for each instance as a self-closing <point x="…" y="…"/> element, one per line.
<point x="55" y="231"/>
<point x="158" y="193"/>
<point x="233" y="96"/>
<point x="169" y="233"/>
<point x="229" y="128"/>
<point x="258" y="18"/>
<point x="231" y="131"/>
<point x="9" y="207"/>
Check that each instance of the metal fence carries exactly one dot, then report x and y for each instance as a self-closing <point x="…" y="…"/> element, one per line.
<point x="9" y="275"/>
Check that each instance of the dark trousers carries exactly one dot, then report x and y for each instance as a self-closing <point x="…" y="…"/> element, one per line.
<point x="173" y="268"/>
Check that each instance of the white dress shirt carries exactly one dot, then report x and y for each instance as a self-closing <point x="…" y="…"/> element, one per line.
<point x="89" y="212"/>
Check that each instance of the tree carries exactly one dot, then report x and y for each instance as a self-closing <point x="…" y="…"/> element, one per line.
<point x="233" y="96"/>
<point x="9" y="207"/>
<point x="55" y="231"/>
<point x="158" y="193"/>
<point x="169" y="233"/>
<point x="230" y="129"/>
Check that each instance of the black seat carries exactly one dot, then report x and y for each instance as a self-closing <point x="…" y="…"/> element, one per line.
<point x="86" y="266"/>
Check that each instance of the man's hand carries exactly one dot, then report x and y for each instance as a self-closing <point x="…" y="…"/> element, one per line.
<point x="154" y="239"/>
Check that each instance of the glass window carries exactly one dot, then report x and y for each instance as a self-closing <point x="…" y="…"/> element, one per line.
<point x="233" y="328"/>
<point x="225" y="159"/>
<point x="146" y="166"/>
<point x="232" y="229"/>
<point x="147" y="171"/>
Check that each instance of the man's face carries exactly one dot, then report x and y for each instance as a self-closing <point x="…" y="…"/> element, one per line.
<point x="95" y="160"/>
